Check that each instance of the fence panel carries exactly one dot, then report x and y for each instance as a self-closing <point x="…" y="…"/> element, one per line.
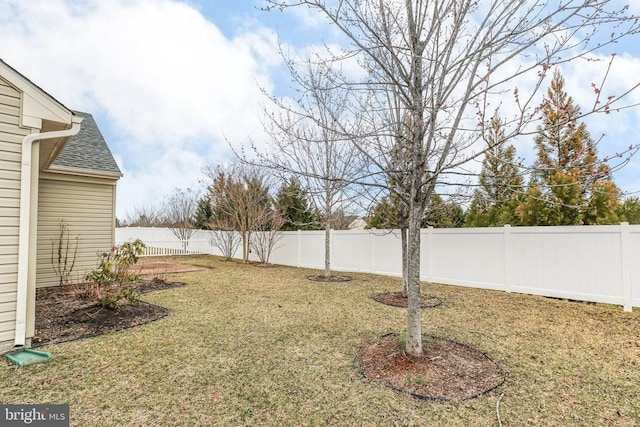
<point x="387" y="255"/>
<point x="470" y="257"/>
<point x="286" y="250"/>
<point x="633" y="266"/>
<point x="351" y="250"/>
<point x="311" y="253"/>
<point x="590" y="263"/>
<point x="568" y="262"/>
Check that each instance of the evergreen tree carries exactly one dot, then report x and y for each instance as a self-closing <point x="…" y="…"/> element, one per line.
<point x="293" y="205"/>
<point x="204" y="213"/>
<point x="222" y="185"/>
<point x="495" y="201"/>
<point x="387" y="214"/>
<point x="629" y="210"/>
<point x="569" y="185"/>
<point x="603" y="203"/>
<point x="443" y="213"/>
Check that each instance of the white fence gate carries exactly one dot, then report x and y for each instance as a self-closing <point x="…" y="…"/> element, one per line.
<point x="589" y="263"/>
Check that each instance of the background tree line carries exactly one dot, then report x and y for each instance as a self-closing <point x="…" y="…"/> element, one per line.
<point x="568" y="184"/>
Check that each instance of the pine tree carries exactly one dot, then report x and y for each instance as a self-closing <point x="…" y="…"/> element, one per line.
<point x="204" y="214"/>
<point x="569" y="185"/>
<point x="293" y="205"/>
<point x="443" y="213"/>
<point x="629" y="210"/>
<point x="495" y="201"/>
<point x="387" y="214"/>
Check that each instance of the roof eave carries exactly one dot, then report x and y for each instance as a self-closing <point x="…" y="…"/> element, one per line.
<point x="91" y="173"/>
<point x="59" y="146"/>
<point x="37" y="105"/>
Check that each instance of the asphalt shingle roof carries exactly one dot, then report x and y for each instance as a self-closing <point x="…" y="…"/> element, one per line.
<point x="87" y="149"/>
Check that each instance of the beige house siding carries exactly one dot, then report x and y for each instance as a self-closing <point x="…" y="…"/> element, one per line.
<point x="69" y="178"/>
<point x="11" y="136"/>
<point x="87" y="208"/>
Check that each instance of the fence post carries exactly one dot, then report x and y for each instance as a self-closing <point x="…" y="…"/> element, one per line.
<point x="625" y="254"/>
<point x="299" y="254"/>
<point x="507" y="257"/>
<point x="331" y="246"/>
<point x="372" y="252"/>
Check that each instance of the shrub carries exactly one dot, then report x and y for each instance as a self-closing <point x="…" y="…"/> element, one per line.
<point x="112" y="274"/>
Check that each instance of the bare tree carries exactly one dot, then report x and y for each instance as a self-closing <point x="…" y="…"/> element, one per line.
<point x="448" y="66"/>
<point x="179" y="210"/>
<point x="148" y="215"/>
<point x="264" y="241"/>
<point x="317" y="152"/>
<point x="64" y="253"/>
<point x="225" y="239"/>
<point x="222" y="224"/>
<point x="240" y="200"/>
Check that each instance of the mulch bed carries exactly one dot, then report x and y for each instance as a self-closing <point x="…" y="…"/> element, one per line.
<point x="447" y="371"/>
<point x="397" y="300"/>
<point x="332" y="278"/>
<point x="65" y="313"/>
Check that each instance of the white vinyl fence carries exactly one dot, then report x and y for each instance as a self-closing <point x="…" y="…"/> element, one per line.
<point x="589" y="263"/>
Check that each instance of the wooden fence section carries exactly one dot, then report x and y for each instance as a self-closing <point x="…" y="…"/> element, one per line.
<point x="588" y="263"/>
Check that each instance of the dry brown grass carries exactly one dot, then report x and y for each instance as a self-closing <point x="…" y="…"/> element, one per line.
<point x="245" y="345"/>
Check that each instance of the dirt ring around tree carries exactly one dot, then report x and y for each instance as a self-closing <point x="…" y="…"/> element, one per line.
<point x="447" y="371"/>
<point x="396" y="299"/>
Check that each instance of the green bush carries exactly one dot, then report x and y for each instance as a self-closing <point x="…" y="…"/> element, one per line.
<point x="109" y="300"/>
<point x="113" y="272"/>
<point x="112" y="300"/>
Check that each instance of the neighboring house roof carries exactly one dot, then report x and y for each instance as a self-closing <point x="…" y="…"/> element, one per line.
<point x="87" y="150"/>
<point x="357" y="224"/>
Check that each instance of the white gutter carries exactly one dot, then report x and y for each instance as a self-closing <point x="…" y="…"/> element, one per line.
<point x="25" y="223"/>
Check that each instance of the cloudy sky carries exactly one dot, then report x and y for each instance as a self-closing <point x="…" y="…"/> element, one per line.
<point x="171" y="81"/>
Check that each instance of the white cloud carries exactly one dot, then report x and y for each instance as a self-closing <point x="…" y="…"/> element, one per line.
<point x="169" y="84"/>
<point x="616" y="131"/>
<point x="175" y="168"/>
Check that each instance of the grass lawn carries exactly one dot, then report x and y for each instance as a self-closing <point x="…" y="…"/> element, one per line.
<point x="251" y="345"/>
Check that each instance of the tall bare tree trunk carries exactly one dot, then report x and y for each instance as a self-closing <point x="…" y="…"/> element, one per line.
<point x="328" y="208"/>
<point x="414" y="316"/>
<point x="405" y="261"/>
<point x="327" y="245"/>
<point x="245" y="246"/>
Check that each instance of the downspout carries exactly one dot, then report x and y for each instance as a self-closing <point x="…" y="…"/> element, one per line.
<point x="25" y="223"/>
